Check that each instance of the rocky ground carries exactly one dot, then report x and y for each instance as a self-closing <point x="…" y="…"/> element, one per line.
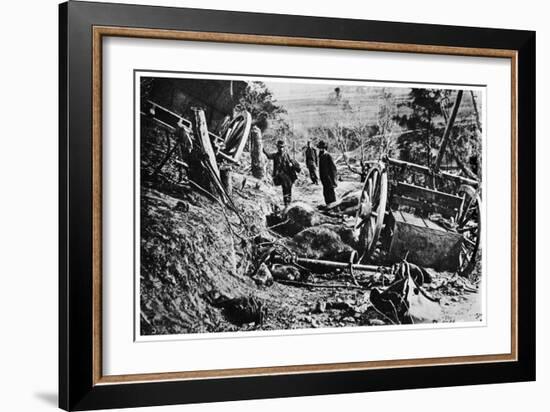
<point x="199" y="268"/>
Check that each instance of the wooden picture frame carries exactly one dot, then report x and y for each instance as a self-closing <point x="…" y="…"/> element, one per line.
<point x="82" y="28"/>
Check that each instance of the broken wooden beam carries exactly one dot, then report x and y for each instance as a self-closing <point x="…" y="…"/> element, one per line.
<point x="339" y="265"/>
<point x="447" y="132"/>
<point x="427" y="170"/>
<point x="226" y="178"/>
<point x="226" y="157"/>
<point x="172" y="120"/>
<point x="318" y="285"/>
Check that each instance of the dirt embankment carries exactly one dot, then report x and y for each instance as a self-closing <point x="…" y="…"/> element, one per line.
<point x="188" y="253"/>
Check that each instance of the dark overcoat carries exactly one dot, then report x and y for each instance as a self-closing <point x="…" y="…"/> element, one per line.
<point x="327" y="170"/>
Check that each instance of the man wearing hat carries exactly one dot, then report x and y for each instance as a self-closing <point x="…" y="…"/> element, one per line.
<point x="311" y="162"/>
<point x="327" y="173"/>
<point x="284" y="170"/>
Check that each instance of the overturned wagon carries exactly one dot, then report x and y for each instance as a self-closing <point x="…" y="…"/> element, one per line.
<point x="228" y="145"/>
<point x="430" y="217"/>
<point x="192" y="147"/>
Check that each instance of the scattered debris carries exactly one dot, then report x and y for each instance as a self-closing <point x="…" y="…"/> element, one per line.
<point x="285" y="272"/>
<point x="376" y="322"/>
<point x="242" y="310"/>
<point x="321" y="307"/>
<point x="340" y="304"/>
<point x="182" y="207"/>
<point x="419" y="274"/>
<point x="454" y="284"/>
<point x="380" y="278"/>
<point x="319" y="285"/>
<point x="263" y="276"/>
<point x="405" y="301"/>
<point x="347" y="204"/>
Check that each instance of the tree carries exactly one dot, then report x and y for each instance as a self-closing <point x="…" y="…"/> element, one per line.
<point x="423" y="107"/>
<point x="386" y="122"/>
<point x="424" y="121"/>
<point x="257" y="98"/>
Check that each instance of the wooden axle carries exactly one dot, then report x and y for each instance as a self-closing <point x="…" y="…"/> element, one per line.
<point x="338" y="265"/>
<point x="226" y="157"/>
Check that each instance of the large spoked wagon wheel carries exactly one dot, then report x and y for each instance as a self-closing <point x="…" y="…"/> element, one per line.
<point x="236" y="135"/>
<point x="371" y="211"/>
<point x="469" y="226"/>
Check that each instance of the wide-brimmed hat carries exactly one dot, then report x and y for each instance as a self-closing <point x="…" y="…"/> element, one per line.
<point x="280" y="143"/>
<point x="321" y="145"/>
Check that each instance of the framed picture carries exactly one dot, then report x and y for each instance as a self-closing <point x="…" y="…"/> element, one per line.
<point x="258" y="206"/>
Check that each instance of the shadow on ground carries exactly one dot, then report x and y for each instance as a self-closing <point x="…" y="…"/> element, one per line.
<point x="49" y="398"/>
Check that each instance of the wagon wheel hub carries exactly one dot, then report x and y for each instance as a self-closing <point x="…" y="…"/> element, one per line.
<point x="364" y="212"/>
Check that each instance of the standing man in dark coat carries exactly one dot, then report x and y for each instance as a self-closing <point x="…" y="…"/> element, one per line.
<point x="311" y="162"/>
<point x="284" y="171"/>
<point x="327" y="173"/>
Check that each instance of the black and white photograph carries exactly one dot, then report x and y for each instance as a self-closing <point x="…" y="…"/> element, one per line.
<point x="268" y="203"/>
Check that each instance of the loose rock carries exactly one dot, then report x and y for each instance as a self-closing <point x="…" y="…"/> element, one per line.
<point x="376" y="322"/>
<point x="263" y="276"/>
<point x="285" y="272"/>
<point x="321" y="307"/>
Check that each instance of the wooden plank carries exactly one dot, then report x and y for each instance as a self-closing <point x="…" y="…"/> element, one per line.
<point x="433" y="225"/>
<point x="412" y="219"/>
<point x="173" y="120"/>
<point x="427" y="170"/>
<point x="398" y="200"/>
<point x="160" y="122"/>
<point x="168" y="112"/>
<point x="200" y="131"/>
<point x="429" y="195"/>
<point x="402" y="215"/>
<point x="167" y="116"/>
<point x="203" y="169"/>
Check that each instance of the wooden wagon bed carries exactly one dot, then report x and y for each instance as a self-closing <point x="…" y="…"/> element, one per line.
<point x="423" y="241"/>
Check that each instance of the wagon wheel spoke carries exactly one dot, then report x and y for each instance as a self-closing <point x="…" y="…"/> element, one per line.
<point x="373" y="184"/>
<point x="362" y="212"/>
<point x="376" y="196"/>
<point x="236" y="135"/>
<point x="469" y="227"/>
<point x="371" y="211"/>
<point x="465" y="257"/>
<point x="468" y="215"/>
